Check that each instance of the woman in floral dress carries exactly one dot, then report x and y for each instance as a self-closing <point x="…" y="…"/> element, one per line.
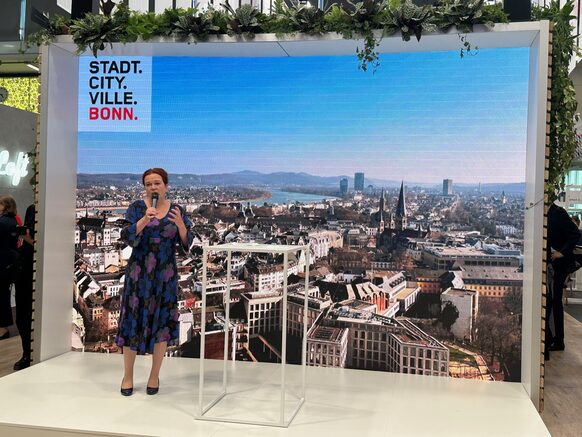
<point x="149" y="314"/>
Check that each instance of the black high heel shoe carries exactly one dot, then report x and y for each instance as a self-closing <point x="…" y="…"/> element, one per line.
<point x="153" y="390"/>
<point x="5" y="335"/>
<point x="22" y="363"/>
<point x="126" y="391"/>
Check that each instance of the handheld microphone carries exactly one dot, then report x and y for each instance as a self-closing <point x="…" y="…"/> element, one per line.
<point x="155" y="197"/>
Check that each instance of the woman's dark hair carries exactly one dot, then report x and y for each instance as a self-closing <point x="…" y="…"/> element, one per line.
<point x="159" y="171"/>
<point x="9" y="204"/>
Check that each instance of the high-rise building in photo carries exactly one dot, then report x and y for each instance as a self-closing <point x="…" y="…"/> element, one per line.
<point x="447" y="187"/>
<point x="343" y="186"/>
<point x="359" y="182"/>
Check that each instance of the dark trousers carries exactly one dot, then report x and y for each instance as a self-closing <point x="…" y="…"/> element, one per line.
<point x="24" y="308"/>
<point x="555" y="306"/>
<point x="6" y="278"/>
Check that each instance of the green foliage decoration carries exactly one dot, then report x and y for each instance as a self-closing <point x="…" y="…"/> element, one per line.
<point x="197" y="25"/>
<point x="410" y="20"/>
<point x="244" y="20"/>
<point x="94" y="31"/>
<point x="495" y="13"/>
<point x="462" y="14"/>
<point x="369" y="20"/>
<point x="57" y="25"/>
<point x="277" y="22"/>
<point x="144" y="26"/>
<point x="563" y="142"/>
<point x="360" y="21"/>
<point x="169" y="20"/>
<point x="336" y="20"/>
<point x="302" y="19"/>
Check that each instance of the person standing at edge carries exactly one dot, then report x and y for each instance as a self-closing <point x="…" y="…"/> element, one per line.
<point x="149" y="314"/>
<point x="8" y="258"/>
<point x="563" y="235"/>
<point x="23" y="282"/>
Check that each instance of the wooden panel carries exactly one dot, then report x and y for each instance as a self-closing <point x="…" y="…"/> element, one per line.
<point x="563" y="384"/>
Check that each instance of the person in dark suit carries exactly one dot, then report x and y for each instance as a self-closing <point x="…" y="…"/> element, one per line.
<point x="24" y="289"/>
<point x="563" y="234"/>
<point x="8" y="257"/>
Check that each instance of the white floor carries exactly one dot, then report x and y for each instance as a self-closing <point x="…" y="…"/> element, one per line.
<point x="80" y="392"/>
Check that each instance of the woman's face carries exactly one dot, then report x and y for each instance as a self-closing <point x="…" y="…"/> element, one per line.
<point x="155" y="184"/>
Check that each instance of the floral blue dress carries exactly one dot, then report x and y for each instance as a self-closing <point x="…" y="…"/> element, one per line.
<point x="149" y="302"/>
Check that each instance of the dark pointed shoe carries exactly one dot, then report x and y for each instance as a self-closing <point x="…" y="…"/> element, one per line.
<point x="127" y="391"/>
<point x="5" y="336"/>
<point x="557" y="347"/>
<point x="153" y="390"/>
<point x="22" y="363"/>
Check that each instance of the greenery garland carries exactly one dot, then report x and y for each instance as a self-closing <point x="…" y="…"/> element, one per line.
<point x="369" y="20"/>
<point x="563" y="142"/>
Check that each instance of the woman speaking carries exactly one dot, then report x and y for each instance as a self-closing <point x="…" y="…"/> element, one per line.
<point x="149" y="314"/>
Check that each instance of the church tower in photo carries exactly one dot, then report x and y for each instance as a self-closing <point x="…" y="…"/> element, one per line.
<point x="401" y="221"/>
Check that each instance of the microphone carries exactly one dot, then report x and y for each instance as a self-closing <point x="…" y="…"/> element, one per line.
<point x="155" y="200"/>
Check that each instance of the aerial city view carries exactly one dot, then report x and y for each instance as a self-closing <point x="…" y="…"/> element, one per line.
<point x="415" y="221"/>
<point x="403" y="279"/>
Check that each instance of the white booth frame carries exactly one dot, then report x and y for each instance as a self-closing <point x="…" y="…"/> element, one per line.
<point x="58" y="161"/>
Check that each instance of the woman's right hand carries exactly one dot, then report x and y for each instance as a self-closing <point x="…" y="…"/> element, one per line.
<point x="151" y="213"/>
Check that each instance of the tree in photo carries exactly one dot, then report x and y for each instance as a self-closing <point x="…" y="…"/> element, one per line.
<point x="499" y="339"/>
<point x="449" y="315"/>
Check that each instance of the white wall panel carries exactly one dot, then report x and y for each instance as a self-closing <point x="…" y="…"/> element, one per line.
<point x="56" y="215"/>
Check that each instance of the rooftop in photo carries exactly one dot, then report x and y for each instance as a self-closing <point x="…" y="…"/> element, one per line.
<point x="262" y="294"/>
<point x="416" y="336"/>
<point x="347" y="314"/>
<point x="464" y="251"/>
<point x="493" y="272"/>
<point x="326" y="333"/>
<point x="406" y="292"/>
<point x="459" y="292"/>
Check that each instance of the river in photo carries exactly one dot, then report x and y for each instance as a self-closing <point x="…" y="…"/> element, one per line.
<point x="283" y="197"/>
<point x="279" y="197"/>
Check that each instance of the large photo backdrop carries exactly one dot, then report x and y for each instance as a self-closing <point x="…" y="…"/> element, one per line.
<point x="408" y="183"/>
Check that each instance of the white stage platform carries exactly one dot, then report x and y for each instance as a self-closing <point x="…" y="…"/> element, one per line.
<point x="78" y="393"/>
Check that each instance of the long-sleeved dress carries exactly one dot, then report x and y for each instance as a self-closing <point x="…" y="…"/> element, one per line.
<point x="149" y="302"/>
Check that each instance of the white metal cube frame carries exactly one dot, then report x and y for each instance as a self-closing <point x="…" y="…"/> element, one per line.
<point x="253" y="248"/>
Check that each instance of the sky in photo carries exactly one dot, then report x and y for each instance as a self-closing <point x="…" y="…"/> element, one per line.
<point x="420" y="117"/>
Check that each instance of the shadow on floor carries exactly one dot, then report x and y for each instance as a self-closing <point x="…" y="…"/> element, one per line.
<point x="575" y="311"/>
